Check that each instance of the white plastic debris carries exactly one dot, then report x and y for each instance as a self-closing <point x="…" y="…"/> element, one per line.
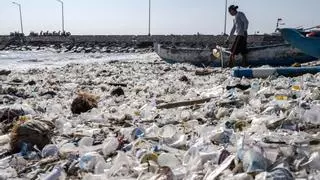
<point x="258" y="123"/>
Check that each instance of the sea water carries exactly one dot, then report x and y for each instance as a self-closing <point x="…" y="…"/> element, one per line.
<point x="19" y="60"/>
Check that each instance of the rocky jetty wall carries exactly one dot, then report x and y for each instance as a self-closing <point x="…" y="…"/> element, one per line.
<point x="126" y="41"/>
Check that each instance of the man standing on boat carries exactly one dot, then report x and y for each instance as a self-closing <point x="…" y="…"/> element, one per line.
<point x="240" y="27"/>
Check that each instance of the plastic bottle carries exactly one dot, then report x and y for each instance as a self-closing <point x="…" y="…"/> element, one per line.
<point x="314" y="161"/>
<point x="137" y="133"/>
<point x="121" y="165"/>
<point x="4" y="139"/>
<point x="170" y="160"/>
<point x="152" y="131"/>
<point x="27" y="153"/>
<point x="146" y="156"/>
<point x="168" y="131"/>
<point x="232" y="93"/>
<point x="136" y="116"/>
<point x="312" y="115"/>
<point x="68" y="148"/>
<point x="315" y="95"/>
<point x="110" y="146"/>
<point x="185" y="115"/>
<point x="19" y="162"/>
<point x="226" y="136"/>
<point x="59" y="124"/>
<point x="296" y="89"/>
<point x="192" y="159"/>
<point x="100" y="166"/>
<point x="50" y="150"/>
<point x="149" y="109"/>
<point x="67" y="128"/>
<point x="281" y="97"/>
<point x="254" y="161"/>
<point x="89" y="161"/>
<point x="24" y="150"/>
<point x="127" y="147"/>
<point x="280" y="173"/>
<point x="85" y="141"/>
<point x="255" y="86"/>
<point x="54" y="174"/>
<point x="153" y="102"/>
<point x="210" y="109"/>
<point x="91" y="176"/>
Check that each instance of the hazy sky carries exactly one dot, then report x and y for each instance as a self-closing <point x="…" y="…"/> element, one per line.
<point x="168" y="16"/>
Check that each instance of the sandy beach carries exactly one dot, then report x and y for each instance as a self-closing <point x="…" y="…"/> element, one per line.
<point x="133" y="136"/>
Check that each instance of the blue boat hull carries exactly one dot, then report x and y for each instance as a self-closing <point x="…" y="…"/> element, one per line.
<point x="269" y="71"/>
<point x="309" y="45"/>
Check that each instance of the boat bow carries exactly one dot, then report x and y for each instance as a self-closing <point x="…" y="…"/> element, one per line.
<point x="309" y="45"/>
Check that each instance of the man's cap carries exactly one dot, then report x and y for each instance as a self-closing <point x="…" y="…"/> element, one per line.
<point x="233" y="7"/>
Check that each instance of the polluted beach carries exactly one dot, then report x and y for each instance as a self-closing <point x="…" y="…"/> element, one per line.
<point x="243" y="105"/>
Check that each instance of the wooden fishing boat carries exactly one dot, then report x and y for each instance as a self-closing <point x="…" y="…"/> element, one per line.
<point x="308" y="45"/>
<point x="195" y="56"/>
<point x="273" y="55"/>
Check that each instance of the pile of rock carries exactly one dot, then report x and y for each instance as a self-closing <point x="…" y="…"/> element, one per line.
<point x="84" y="48"/>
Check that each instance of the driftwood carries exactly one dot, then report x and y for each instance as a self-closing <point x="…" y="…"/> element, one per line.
<point x="117" y="84"/>
<point x="183" y="103"/>
<point x="136" y="62"/>
<point x="224" y="103"/>
<point x="13" y="83"/>
<point x="41" y="163"/>
<point x="203" y="72"/>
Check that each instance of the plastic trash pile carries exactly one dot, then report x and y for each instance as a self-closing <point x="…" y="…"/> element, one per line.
<point x="248" y="129"/>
